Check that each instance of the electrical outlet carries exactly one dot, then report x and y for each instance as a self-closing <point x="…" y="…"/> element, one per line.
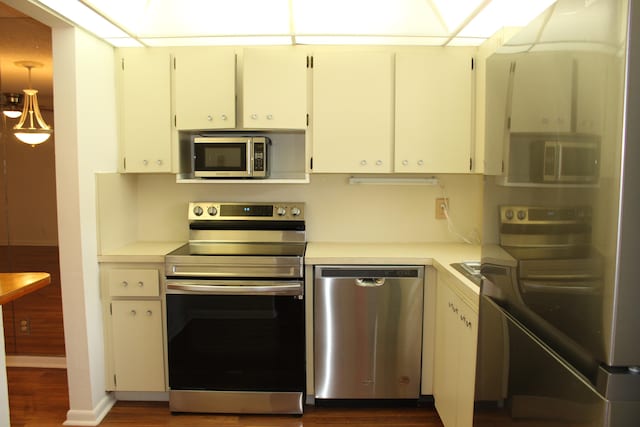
<point x="440" y="203"/>
<point x="25" y="326"/>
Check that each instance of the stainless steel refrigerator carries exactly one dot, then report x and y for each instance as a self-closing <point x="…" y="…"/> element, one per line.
<point x="559" y="330"/>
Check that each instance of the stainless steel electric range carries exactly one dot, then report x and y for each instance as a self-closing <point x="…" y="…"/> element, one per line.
<point x="235" y="310"/>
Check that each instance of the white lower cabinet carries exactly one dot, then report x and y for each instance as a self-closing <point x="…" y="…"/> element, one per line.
<point x="137" y="345"/>
<point x="455" y="354"/>
<point x="134" y="325"/>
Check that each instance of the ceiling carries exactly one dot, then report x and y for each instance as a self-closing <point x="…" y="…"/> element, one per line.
<point x="241" y="22"/>
<point x="22" y="38"/>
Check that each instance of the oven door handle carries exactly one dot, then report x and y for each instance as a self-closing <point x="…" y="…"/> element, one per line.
<point x="218" y="288"/>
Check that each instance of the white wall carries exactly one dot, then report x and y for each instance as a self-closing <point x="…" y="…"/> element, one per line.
<point x="85" y="126"/>
<point x="335" y="210"/>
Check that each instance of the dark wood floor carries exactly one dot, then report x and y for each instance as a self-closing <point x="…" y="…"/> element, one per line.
<point x="38" y="398"/>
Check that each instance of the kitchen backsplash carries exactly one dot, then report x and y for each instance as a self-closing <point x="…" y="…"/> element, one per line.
<point x="153" y="208"/>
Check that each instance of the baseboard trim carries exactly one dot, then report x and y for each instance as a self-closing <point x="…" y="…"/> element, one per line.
<point x="90" y="417"/>
<point x="36" y="362"/>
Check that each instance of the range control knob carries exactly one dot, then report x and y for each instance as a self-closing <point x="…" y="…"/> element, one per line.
<point x="212" y="211"/>
<point x="522" y="214"/>
<point x="197" y="210"/>
<point x="281" y="211"/>
<point x="295" y="211"/>
<point x="508" y="214"/>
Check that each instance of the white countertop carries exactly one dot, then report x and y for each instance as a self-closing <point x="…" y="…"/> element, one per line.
<point x="140" y="252"/>
<point x="439" y="255"/>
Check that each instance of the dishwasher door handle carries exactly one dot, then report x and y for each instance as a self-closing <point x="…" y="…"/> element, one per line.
<point x="370" y="282"/>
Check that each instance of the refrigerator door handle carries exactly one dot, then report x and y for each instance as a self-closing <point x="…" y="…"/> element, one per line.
<point x="560" y="287"/>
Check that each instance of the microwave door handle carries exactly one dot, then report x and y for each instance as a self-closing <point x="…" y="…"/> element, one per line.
<point x="559" y="160"/>
<point x="249" y="157"/>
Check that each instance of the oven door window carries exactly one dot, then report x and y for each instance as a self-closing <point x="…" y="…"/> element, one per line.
<point x="235" y="343"/>
<point x="226" y="157"/>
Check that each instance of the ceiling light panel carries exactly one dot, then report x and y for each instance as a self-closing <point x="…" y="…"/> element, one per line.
<point x="194" y="18"/>
<point x="84" y="17"/>
<point x="504" y="13"/>
<point x="366" y="17"/>
<point x="130" y="14"/>
<point x="454" y="12"/>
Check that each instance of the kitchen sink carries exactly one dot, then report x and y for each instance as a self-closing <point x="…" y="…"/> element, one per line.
<point x="470" y="269"/>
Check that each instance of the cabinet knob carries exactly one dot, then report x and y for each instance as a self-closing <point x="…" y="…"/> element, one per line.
<point x="140" y="284"/>
<point x="145" y="162"/>
<point x="254" y="116"/>
<point x="133" y="312"/>
<point x="125" y="283"/>
<point x="363" y="162"/>
<point x="269" y="116"/>
<point x="420" y="162"/>
<point x="209" y="118"/>
<point x="149" y="312"/>
<point x="405" y="162"/>
<point x="159" y="162"/>
<point x="223" y="117"/>
<point x="379" y="162"/>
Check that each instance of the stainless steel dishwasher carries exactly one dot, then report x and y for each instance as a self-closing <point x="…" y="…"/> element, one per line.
<point x="368" y="331"/>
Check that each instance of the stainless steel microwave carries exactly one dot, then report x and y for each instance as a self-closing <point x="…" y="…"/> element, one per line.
<point x="231" y="156"/>
<point x="565" y="162"/>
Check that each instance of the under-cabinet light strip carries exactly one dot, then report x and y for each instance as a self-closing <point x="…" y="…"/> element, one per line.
<point x="394" y="181"/>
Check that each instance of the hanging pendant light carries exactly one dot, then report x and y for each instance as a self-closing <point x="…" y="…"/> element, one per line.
<point x="31" y="129"/>
<point x="11" y="105"/>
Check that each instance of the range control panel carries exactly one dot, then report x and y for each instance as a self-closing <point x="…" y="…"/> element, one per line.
<point x="212" y="211"/>
<point x="544" y="215"/>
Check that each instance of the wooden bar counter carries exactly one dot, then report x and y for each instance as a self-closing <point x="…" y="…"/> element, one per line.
<point x="14" y="286"/>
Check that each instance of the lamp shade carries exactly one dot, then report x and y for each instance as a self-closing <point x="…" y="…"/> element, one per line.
<point x="31" y="129"/>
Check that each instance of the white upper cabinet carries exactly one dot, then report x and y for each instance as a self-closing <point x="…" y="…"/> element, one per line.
<point x="274" y="86"/>
<point x="145" y="110"/>
<point x="591" y="81"/>
<point x="352" y="112"/>
<point x="542" y="93"/>
<point x="204" y="81"/>
<point x="433" y="120"/>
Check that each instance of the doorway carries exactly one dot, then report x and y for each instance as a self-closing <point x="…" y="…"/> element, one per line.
<point x="28" y="212"/>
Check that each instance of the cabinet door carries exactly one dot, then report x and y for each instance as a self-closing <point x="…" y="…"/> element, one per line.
<point x="352" y="112"/>
<point x="445" y="376"/>
<point x="497" y="109"/>
<point x="145" y="118"/>
<point x="467" y="348"/>
<point x="204" y="82"/>
<point x="542" y="93"/>
<point x="137" y="345"/>
<point x="274" y="89"/>
<point x="592" y="73"/>
<point x="433" y="111"/>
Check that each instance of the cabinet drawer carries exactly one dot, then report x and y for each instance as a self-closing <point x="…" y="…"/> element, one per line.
<point x="131" y="283"/>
